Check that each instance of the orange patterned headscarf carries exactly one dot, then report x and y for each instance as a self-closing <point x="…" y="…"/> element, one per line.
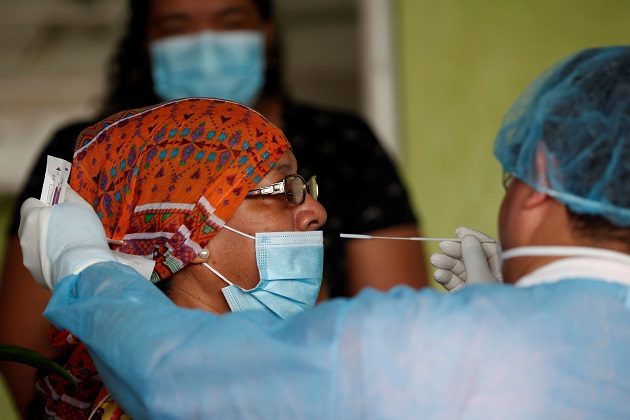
<point x="164" y="179"/>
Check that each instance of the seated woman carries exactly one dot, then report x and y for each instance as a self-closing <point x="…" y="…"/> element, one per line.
<point x="207" y="191"/>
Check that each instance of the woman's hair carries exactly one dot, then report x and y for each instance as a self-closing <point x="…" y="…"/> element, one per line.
<point x="129" y="79"/>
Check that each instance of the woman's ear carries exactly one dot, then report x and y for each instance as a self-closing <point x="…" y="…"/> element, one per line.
<point x="201" y="257"/>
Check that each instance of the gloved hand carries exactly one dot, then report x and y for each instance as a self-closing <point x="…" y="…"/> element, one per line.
<point x="468" y="262"/>
<point x="142" y="265"/>
<point x="62" y="239"/>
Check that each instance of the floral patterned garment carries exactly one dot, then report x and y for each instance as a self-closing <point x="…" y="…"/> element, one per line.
<point x="162" y="179"/>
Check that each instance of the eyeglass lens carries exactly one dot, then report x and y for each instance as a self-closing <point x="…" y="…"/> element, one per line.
<point x="312" y="187"/>
<point x="296" y="188"/>
<point x="507" y="180"/>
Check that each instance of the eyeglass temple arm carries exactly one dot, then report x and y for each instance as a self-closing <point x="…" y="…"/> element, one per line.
<point x="277" y="188"/>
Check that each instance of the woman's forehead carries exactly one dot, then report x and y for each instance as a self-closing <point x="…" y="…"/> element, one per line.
<point x="287" y="164"/>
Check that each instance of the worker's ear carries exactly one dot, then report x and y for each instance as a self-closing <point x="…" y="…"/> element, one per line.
<point x="534" y="198"/>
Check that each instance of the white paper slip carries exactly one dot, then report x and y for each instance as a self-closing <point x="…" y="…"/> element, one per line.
<point x="55" y="180"/>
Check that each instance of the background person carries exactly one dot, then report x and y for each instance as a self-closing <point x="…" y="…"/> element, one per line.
<point x="171" y="182"/>
<point x="361" y="188"/>
<point x="532" y="350"/>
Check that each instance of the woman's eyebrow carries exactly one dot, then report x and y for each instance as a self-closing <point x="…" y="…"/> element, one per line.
<point x="236" y="10"/>
<point x="285" y="167"/>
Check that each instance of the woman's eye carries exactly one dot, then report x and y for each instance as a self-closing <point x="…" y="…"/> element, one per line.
<point x="239" y="21"/>
<point x="174" y="30"/>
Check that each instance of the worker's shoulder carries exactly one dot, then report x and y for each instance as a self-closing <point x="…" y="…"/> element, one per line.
<point x="495" y="301"/>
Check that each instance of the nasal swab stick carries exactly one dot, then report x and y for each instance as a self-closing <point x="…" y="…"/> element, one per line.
<point x="355" y="236"/>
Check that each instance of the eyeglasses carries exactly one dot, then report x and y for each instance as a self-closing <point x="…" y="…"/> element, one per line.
<point x="293" y="186"/>
<point x="508" y="177"/>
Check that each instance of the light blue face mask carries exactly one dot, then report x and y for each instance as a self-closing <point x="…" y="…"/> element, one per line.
<point x="224" y="64"/>
<point x="290" y="265"/>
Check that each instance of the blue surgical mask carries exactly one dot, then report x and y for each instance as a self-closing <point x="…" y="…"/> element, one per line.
<point x="290" y="265"/>
<point x="226" y="65"/>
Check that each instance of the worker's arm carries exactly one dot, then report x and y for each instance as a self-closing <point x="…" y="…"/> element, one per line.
<point x="162" y="361"/>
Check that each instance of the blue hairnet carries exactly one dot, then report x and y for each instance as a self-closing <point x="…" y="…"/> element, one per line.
<point x="568" y="134"/>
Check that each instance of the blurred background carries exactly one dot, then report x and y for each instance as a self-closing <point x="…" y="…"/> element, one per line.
<point x="433" y="78"/>
<point x="461" y="64"/>
<point x="53" y="54"/>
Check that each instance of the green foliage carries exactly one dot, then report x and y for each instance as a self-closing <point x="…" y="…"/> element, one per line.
<point x="32" y="358"/>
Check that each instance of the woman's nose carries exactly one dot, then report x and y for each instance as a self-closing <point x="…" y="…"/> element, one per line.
<point x="311" y="215"/>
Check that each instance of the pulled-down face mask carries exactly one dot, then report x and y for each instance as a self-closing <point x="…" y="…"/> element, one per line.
<point x="290" y="265"/>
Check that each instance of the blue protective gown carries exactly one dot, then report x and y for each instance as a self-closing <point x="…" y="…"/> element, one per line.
<point x="558" y="349"/>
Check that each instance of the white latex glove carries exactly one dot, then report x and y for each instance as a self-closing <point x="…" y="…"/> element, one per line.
<point x="142" y="265"/>
<point x="468" y="262"/>
<point x="62" y="239"/>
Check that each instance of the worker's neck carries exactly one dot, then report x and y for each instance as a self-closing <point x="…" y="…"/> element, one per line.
<point x="549" y="223"/>
<point x="518" y="267"/>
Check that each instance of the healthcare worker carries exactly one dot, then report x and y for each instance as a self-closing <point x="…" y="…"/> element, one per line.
<point x="551" y="343"/>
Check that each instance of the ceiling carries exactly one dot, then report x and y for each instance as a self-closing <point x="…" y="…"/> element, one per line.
<point x="53" y="53"/>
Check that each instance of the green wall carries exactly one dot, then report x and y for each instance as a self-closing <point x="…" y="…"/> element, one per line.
<point x="7" y="407"/>
<point x="461" y="65"/>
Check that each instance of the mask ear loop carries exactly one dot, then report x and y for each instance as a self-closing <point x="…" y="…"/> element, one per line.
<point x="219" y="275"/>
<point x="239" y="232"/>
<point x="546" y="167"/>
<point x="541" y="168"/>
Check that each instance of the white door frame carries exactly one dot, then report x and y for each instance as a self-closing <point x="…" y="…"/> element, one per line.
<point x="377" y="71"/>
